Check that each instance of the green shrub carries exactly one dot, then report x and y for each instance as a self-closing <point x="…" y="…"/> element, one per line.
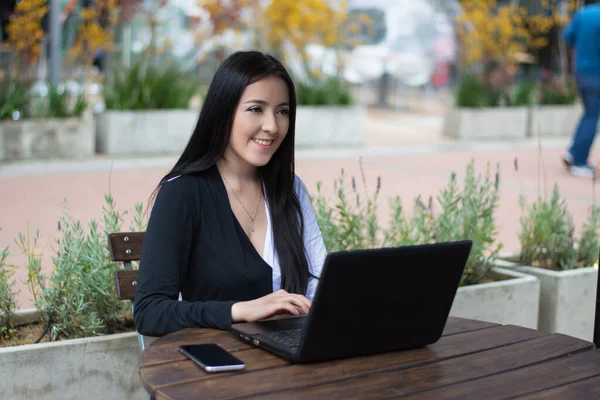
<point x="588" y="246"/>
<point x="329" y="92"/>
<point x="79" y="299"/>
<point x="149" y="86"/>
<point x="29" y="248"/>
<point x="472" y="92"/>
<point x="59" y="102"/>
<point x="7" y="298"/>
<point x="558" y="95"/>
<point x="14" y="99"/>
<point x="547" y="233"/>
<point x="470" y="215"/>
<point x="522" y="94"/>
<point x="351" y="222"/>
<point x="17" y="101"/>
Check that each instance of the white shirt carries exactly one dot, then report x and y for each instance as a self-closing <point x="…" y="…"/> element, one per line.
<point x="313" y="242"/>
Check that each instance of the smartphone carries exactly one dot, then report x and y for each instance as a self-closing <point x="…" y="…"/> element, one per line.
<point x="212" y="357"/>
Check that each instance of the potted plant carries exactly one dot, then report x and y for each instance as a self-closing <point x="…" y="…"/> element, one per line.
<point x="565" y="265"/>
<point x="485" y="111"/>
<point x="495" y="41"/>
<point x="487" y="291"/>
<point x="147" y="108"/>
<point x="40" y="120"/>
<point x="80" y="338"/>
<point x="327" y="115"/>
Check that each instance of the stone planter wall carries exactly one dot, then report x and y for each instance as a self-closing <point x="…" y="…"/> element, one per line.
<point x="555" y="121"/>
<point x="91" y="368"/>
<point x="144" y="132"/>
<point x="567" y="300"/>
<point x="513" y="300"/>
<point x="330" y="126"/>
<point x="47" y="138"/>
<point x="103" y="367"/>
<point x="495" y="123"/>
<point x="486" y="123"/>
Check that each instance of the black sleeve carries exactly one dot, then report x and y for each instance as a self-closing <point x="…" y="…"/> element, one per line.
<point x="165" y="258"/>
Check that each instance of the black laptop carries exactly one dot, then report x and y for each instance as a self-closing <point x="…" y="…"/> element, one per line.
<point x="367" y="302"/>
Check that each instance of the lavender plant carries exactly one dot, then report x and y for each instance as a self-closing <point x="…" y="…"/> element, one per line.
<point x="7" y="298"/>
<point x="78" y="299"/>
<point x="351" y="224"/>
<point x="547" y="233"/>
<point x="588" y="246"/>
<point x="470" y="215"/>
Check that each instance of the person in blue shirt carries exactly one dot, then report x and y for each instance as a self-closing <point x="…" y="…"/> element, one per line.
<point x="583" y="35"/>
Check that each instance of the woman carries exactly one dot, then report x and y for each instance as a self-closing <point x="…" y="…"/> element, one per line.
<point x="232" y="228"/>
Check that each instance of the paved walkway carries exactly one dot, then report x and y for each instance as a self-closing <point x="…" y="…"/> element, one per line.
<point x="404" y="149"/>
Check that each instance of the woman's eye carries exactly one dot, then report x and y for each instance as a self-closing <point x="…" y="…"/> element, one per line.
<point x="285" y="111"/>
<point x="254" y="109"/>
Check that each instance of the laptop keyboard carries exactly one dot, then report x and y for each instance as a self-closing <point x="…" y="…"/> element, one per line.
<point x="287" y="337"/>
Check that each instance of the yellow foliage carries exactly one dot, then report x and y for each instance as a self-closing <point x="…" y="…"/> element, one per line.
<point x="298" y="23"/>
<point x="489" y="31"/>
<point x="25" y="30"/>
<point x="304" y="22"/>
<point x="92" y="35"/>
<point x="226" y="14"/>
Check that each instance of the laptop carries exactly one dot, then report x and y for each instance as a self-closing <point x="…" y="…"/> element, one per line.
<point x="368" y="302"/>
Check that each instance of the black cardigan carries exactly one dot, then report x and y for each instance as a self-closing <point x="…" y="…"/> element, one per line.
<point x="195" y="245"/>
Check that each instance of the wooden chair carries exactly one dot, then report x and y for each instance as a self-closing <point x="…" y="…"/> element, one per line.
<point x="126" y="247"/>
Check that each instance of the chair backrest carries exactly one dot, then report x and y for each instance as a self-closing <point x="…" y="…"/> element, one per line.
<point x="126" y="247"/>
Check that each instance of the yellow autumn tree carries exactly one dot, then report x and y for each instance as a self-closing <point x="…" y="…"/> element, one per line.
<point x="301" y="23"/>
<point x="226" y="14"/>
<point x="488" y="31"/>
<point x="25" y="32"/>
<point x="96" y="31"/>
<point x="280" y="22"/>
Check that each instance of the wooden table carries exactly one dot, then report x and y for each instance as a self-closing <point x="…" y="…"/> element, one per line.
<point x="473" y="359"/>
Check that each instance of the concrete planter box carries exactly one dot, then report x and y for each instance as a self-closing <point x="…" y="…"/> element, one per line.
<point x="567" y="300"/>
<point x="103" y="367"/>
<point x="47" y="138"/>
<point x="144" y="132"/>
<point x="487" y="123"/>
<point x="330" y="126"/>
<point x="555" y="121"/>
<point x="512" y="300"/>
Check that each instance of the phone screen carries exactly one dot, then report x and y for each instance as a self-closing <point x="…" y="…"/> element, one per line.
<point x="212" y="358"/>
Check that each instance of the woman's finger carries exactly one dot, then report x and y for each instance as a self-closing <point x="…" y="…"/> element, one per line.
<point x="301" y="305"/>
<point x="289" y="308"/>
<point x="301" y="301"/>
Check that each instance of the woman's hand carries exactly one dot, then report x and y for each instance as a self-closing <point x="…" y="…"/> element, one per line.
<point x="280" y="302"/>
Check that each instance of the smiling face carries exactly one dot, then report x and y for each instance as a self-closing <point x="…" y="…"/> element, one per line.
<point x="260" y="123"/>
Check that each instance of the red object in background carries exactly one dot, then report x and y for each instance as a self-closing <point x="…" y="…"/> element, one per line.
<point x="441" y="74"/>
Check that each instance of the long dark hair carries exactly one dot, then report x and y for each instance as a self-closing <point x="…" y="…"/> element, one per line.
<point x="211" y="138"/>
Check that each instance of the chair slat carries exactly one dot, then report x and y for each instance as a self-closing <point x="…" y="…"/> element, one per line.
<point x="125" y="246"/>
<point x="126" y="282"/>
